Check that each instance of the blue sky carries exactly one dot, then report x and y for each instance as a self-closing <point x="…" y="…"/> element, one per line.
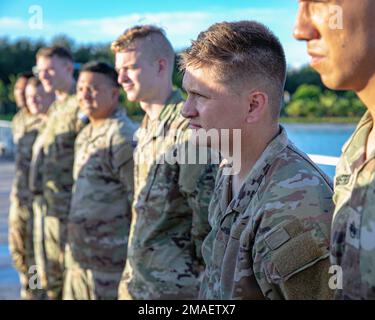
<point x="101" y="21"/>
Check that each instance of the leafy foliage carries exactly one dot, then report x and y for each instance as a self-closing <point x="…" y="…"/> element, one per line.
<point x="309" y="97"/>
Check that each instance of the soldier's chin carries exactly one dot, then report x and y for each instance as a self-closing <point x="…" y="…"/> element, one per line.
<point x="48" y="87"/>
<point x="33" y="110"/>
<point x="131" y="96"/>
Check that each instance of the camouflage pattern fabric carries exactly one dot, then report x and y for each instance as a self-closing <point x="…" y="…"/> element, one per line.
<point x="170" y="211"/>
<point x="61" y="130"/>
<point x="88" y="284"/>
<point x="270" y="241"/>
<point x="100" y="213"/>
<point x="39" y="205"/>
<point x="25" y="129"/>
<point x="353" y="227"/>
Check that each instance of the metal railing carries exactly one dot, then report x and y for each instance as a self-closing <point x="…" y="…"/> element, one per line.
<point x="324" y="160"/>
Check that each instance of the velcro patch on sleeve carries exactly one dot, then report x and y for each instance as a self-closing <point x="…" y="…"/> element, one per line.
<point x="296" y="255"/>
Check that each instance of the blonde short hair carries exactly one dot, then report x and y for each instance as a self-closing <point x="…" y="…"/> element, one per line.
<point x="153" y="36"/>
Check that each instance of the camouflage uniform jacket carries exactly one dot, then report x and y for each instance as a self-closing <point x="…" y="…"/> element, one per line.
<point x="353" y="227"/>
<point x="62" y="127"/>
<point x="100" y="214"/>
<point x="272" y="239"/>
<point x="170" y="211"/>
<point x="36" y="165"/>
<point x="25" y="131"/>
<point x="19" y="123"/>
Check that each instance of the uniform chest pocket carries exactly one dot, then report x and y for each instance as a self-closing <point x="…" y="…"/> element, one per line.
<point x="342" y="192"/>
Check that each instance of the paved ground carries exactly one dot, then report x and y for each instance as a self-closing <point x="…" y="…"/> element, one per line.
<point x="9" y="282"/>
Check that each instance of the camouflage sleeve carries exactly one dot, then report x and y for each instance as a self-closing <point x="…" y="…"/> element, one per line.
<point x="35" y="175"/>
<point x="196" y="183"/>
<point x="291" y="247"/>
<point x="59" y="158"/>
<point x="23" y="160"/>
<point x="122" y="161"/>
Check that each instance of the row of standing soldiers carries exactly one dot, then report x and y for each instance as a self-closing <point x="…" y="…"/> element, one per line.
<point x="102" y="211"/>
<point x="72" y="197"/>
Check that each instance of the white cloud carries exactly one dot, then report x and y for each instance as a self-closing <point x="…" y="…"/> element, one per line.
<point x="14" y="23"/>
<point x="180" y="26"/>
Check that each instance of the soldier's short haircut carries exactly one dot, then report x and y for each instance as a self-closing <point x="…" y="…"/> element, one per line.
<point x="154" y="37"/>
<point x="26" y="75"/>
<point x="34" y="81"/>
<point x="57" y="51"/>
<point x="102" y="68"/>
<point x="240" y="52"/>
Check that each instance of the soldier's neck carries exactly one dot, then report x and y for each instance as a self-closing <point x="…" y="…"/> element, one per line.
<point x="155" y="105"/>
<point x="252" y="148"/>
<point x="66" y="89"/>
<point x="97" y="122"/>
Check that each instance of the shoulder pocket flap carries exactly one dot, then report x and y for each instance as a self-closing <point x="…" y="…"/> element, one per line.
<point x="297" y="254"/>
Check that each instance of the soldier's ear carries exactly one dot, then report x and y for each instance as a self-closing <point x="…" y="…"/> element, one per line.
<point x="163" y="65"/>
<point x="70" y="67"/>
<point x="256" y="106"/>
<point x="115" y="94"/>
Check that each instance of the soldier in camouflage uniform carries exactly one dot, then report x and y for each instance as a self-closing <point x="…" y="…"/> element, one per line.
<point x="345" y="59"/>
<point x="100" y="212"/>
<point x="271" y="218"/>
<point x="55" y="69"/>
<point x="19" y="212"/>
<point x="170" y="200"/>
<point x="39" y="102"/>
<point x="21" y="220"/>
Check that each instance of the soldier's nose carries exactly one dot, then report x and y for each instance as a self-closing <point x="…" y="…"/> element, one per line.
<point x="304" y="28"/>
<point x="188" y="110"/>
<point x="122" y="77"/>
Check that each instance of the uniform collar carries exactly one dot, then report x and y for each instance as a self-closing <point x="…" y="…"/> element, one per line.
<point x="156" y="128"/>
<point x="174" y="98"/>
<point x="105" y="126"/>
<point x="256" y="174"/>
<point x="354" y="149"/>
<point x="168" y="109"/>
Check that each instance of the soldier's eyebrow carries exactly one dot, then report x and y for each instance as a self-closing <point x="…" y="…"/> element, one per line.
<point x="195" y="92"/>
<point x="128" y="66"/>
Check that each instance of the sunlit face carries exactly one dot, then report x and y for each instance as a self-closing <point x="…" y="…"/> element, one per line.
<point x="53" y="72"/>
<point x="19" y="92"/>
<point x="340" y="40"/>
<point x="137" y="74"/>
<point x="211" y="104"/>
<point x="97" y="95"/>
<point x="37" y="99"/>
